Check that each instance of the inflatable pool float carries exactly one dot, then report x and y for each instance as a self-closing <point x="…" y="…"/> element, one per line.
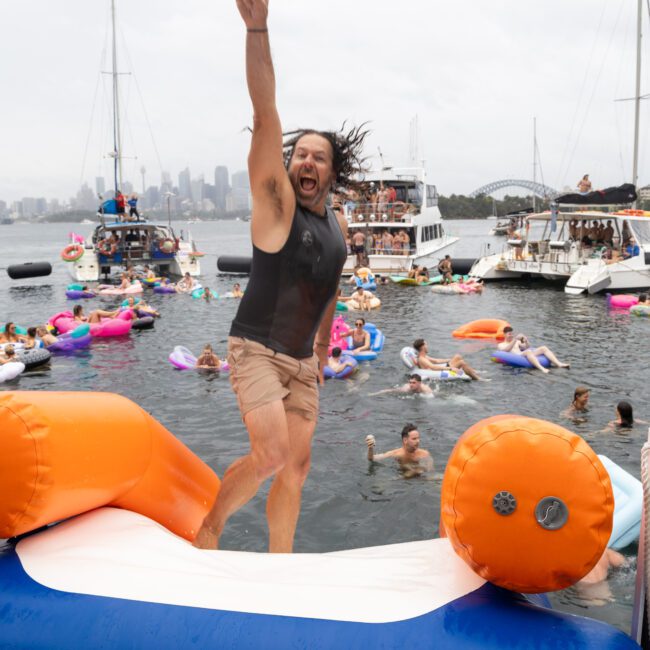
<point x="144" y="322"/>
<point x="118" y="326"/>
<point x="183" y="359"/>
<point x="169" y="288"/>
<point x="640" y="310"/>
<point x="68" y="342"/>
<point x="11" y="370"/>
<point x="33" y="358"/>
<point x="328" y="373"/>
<point x="447" y="289"/>
<point x="485" y="328"/>
<point x="136" y="287"/>
<point x="136" y="301"/>
<point x="409" y="282"/>
<point x="377" y="340"/>
<point x="336" y="340"/>
<point x="200" y="292"/>
<point x="341" y="306"/>
<point x="19" y="330"/>
<point x="628" y="505"/>
<point x="78" y="294"/>
<point x="119" y="569"/>
<point x="621" y="300"/>
<point x="366" y="279"/>
<point x="373" y="303"/>
<point x="17" y="346"/>
<point x="517" y="360"/>
<point x="150" y="282"/>
<point x="408" y="355"/>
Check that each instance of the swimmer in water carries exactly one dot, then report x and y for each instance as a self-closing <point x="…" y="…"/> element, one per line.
<point x="414" y="385"/>
<point x="413" y="460"/>
<point x="624" y="417"/>
<point x="236" y="291"/>
<point x="579" y="406"/>
<point x="208" y="360"/>
<point x="336" y="363"/>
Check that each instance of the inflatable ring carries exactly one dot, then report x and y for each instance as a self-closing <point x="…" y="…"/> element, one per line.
<point x="105" y="248"/>
<point x="164" y="246"/>
<point x="328" y="373"/>
<point x="72" y="252"/>
<point x="637" y="310"/>
<point x="621" y="300"/>
<point x="364" y="273"/>
<point x="485" y="328"/>
<point x="399" y="209"/>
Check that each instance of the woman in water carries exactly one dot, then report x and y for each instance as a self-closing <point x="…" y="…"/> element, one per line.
<point x="9" y="335"/>
<point x="624" y="416"/>
<point x="360" y="338"/>
<point x="94" y="316"/>
<point x="208" y="359"/>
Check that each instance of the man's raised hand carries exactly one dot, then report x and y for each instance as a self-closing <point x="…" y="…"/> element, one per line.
<point x="254" y="13"/>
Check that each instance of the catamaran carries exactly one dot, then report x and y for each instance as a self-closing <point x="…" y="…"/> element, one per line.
<point x="414" y="212"/>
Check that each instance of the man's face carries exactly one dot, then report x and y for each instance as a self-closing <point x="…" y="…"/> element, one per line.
<point x="509" y="336"/>
<point x="414" y="385"/>
<point x="412" y="442"/>
<point x="310" y="170"/>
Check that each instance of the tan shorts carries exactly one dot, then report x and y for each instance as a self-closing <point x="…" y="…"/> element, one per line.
<point x="260" y="376"/>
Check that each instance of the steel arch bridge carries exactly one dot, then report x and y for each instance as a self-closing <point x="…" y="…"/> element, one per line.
<point x="543" y="191"/>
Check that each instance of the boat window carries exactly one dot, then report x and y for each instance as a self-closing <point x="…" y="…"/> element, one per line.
<point x="432" y="195"/>
<point x="641" y="230"/>
<point x="415" y="195"/>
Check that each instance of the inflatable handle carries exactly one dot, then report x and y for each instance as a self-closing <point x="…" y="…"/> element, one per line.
<point x="64" y="453"/>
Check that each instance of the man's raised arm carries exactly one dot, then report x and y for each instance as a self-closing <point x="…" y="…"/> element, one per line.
<point x="273" y="196"/>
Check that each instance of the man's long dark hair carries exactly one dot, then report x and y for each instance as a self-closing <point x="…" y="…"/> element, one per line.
<point x="347" y="152"/>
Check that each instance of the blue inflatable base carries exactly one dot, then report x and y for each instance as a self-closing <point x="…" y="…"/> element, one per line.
<point x="517" y="360"/>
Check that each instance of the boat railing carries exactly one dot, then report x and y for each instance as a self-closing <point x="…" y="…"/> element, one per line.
<point x="380" y="250"/>
<point x="398" y="212"/>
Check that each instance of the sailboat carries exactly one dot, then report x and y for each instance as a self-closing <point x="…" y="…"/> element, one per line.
<point x="120" y="241"/>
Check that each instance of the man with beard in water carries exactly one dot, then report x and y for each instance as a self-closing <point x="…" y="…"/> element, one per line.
<point x="413" y="460"/>
<point x="278" y="342"/>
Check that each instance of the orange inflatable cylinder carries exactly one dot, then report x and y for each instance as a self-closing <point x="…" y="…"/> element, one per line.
<point x="526" y="503"/>
<point x="64" y="453"/>
<point x="485" y="328"/>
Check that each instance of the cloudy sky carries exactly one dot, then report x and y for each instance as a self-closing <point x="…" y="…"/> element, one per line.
<point x="474" y="72"/>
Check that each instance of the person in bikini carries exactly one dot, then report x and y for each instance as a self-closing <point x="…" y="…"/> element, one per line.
<point x="425" y="362"/>
<point x="279" y="338"/>
<point x="94" y="316"/>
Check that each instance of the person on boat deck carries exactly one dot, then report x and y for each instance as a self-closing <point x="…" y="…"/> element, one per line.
<point x="573" y="229"/>
<point x="9" y="335"/>
<point x="358" y="243"/>
<point x="594" y="233"/>
<point x="425" y="362"/>
<point x="362" y="297"/>
<point x="7" y="355"/>
<point x="277" y="349"/>
<point x="584" y="184"/>
<point x="133" y="207"/>
<point x="631" y="249"/>
<point x="336" y="363"/>
<point x="579" y="405"/>
<point x="120" y="202"/>
<point x="413" y="460"/>
<point x="387" y="242"/>
<point x="360" y="338"/>
<point x="47" y="337"/>
<point x="520" y="345"/>
<point x="186" y="283"/>
<point x="406" y="242"/>
<point x="208" y="359"/>
<point x="94" y="316"/>
<point x="608" y="234"/>
<point x="445" y="269"/>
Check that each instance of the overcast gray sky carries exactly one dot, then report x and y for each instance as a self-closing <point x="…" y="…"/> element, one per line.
<point x="475" y="72"/>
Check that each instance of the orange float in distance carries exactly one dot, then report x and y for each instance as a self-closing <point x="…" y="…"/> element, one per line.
<point x="528" y="459"/>
<point x="64" y="453"/>
<point x="485" y="328"/>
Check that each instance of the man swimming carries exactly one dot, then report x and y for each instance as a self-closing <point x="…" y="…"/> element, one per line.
<point x="413" y="460"/>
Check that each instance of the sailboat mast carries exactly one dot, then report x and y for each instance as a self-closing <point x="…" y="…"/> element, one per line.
<point x="117" y="137"/>
<point x="534" y="161"/>
<point x="637" y="94"/>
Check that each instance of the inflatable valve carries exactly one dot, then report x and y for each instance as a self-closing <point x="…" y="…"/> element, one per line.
<point x="527" y="504"/>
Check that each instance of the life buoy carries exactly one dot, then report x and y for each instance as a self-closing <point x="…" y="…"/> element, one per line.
<point x="399" y="209"/>
<point x="105" y="247"/>
<point x="167" y="246"/>
<point x="72" y="252"/>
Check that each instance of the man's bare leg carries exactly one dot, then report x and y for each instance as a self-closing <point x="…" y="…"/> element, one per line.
<point x="283" y="505"/>
<point x="551" y="357"/>
<point x="530" y="355"/>
<point x="269" y="438"/>
<point x="458" y="362"/>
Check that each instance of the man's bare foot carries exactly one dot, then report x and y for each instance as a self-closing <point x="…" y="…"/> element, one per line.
<point x="206" y="538"/>
<point x="545" y="370"/>
<point x="564" y="365"/>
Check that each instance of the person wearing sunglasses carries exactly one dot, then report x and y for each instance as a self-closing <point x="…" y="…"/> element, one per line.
<point x="360" y="338"/>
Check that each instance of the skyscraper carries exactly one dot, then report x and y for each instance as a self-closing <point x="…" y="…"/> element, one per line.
<point x="184" y="184"/>
<point x="241" y="190"/>
<point x="221" y="187"/>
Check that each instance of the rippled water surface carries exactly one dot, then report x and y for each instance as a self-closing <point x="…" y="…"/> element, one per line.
<point x="346" y="503"/>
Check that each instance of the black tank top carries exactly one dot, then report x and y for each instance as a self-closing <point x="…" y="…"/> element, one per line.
<point x="288" y="291"/>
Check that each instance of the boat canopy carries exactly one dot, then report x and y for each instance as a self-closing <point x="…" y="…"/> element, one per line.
<point x="625" y="193"/>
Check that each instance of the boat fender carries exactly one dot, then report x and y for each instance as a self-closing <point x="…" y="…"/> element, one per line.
<point x="29" y="270"/>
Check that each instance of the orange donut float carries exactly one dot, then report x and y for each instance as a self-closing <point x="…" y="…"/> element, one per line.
<point x="485" y="328"/>
<point x="63" y="453"/>
<point x="526" y="503"/>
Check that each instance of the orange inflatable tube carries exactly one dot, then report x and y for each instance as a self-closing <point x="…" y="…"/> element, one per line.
<point x="64" y="453"/>
<point x="526" y="503"/>
<point x="485" y="328"/>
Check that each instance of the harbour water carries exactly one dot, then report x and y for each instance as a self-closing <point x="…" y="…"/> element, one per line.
<point x="348" y="503"/>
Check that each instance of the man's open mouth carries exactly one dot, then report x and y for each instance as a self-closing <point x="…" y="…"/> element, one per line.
<point x="307" y="184"/>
